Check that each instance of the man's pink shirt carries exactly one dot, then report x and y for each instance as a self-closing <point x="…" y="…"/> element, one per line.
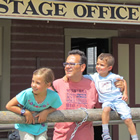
<point x="74" y="96"/>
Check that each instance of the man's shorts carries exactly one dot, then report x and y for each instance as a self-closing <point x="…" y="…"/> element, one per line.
<point x="120" y="106"/>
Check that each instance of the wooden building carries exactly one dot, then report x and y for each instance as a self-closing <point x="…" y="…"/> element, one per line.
<point x="30" y="41"/>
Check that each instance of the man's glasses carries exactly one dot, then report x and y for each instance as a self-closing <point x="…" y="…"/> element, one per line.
<point x="71" y="64"/>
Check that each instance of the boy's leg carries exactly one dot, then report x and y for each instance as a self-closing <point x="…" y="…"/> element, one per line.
<point x="105" y="115"/>
<point x="26" y="136"/>
<point x="134" y="137"/>
<point x="131" y="128"/>
<point x="124" y="110"/>
<point x="105" y="120"/>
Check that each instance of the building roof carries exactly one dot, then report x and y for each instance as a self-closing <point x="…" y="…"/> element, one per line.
<point x="117" y="1"/>
<point x="110" y="1"/>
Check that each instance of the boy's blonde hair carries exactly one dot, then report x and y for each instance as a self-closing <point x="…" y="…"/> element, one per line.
<point x="108" y="58"/>
<point x="47" y="74"/>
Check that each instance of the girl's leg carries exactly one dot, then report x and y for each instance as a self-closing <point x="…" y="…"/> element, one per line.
<point x="26" y="136"/>
<point x="42" y="136"/>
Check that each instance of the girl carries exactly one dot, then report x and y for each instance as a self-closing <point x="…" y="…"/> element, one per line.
<point x="38" y="100"/>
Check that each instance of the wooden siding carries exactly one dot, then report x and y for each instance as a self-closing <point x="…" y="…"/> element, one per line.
<point x="40" y="43"/>
<point x="34" y="44"/>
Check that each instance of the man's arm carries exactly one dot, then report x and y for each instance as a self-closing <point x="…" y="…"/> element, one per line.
<point x="125" y="96"/>
<point x="120" y="83"/>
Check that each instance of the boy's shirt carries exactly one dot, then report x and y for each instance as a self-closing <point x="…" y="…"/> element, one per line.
<point x="105" y="86"/>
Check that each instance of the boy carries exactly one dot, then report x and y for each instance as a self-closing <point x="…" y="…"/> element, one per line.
<point x="110" y="96"/>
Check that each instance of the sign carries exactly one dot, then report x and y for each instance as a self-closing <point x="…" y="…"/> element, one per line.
<point x="69" y="11"/>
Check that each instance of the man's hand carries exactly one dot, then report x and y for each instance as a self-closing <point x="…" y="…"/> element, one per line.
<point x="120" y="84"/>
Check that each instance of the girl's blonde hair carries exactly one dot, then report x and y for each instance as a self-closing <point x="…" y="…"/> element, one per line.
<point x="47" y="74"/>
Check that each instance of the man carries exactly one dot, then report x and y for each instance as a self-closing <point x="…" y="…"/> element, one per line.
<point x="76" y="93"/>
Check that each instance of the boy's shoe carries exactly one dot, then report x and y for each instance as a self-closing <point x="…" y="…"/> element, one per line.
<point x="106" y="136"/>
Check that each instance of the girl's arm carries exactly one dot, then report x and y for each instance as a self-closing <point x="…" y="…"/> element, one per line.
<point x="42" y="116"/>
<point x="12" y="105"/>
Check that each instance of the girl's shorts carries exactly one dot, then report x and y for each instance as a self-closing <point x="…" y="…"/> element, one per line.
<point x="27" y="136"/>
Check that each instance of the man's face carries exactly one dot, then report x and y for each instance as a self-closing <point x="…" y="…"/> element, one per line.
<point x="74" y="71"/>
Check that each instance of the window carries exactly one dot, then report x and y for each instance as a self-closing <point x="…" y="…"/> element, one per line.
<point x="91" y="59"/>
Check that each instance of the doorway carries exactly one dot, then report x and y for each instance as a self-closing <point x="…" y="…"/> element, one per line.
<point x="89" y="39"/>
<point x="92" y="48"/>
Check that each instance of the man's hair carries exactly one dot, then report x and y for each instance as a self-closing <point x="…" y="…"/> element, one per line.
<point x="81" y="53"/>
<point x="108" y="58"/>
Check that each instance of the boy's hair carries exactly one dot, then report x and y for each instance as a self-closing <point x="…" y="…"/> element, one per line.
<point x="47" y="74"/>
<point x="81" y="53"/>
<point x="108" y="58"/>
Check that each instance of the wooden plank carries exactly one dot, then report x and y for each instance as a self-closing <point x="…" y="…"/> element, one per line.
<point x="7" y="117"/>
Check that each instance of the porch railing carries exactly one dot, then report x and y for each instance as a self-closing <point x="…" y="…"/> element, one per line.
<point x="8" y="119"/>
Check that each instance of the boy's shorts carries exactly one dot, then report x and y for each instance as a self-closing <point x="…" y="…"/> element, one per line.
<point x="120" y="106"/>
